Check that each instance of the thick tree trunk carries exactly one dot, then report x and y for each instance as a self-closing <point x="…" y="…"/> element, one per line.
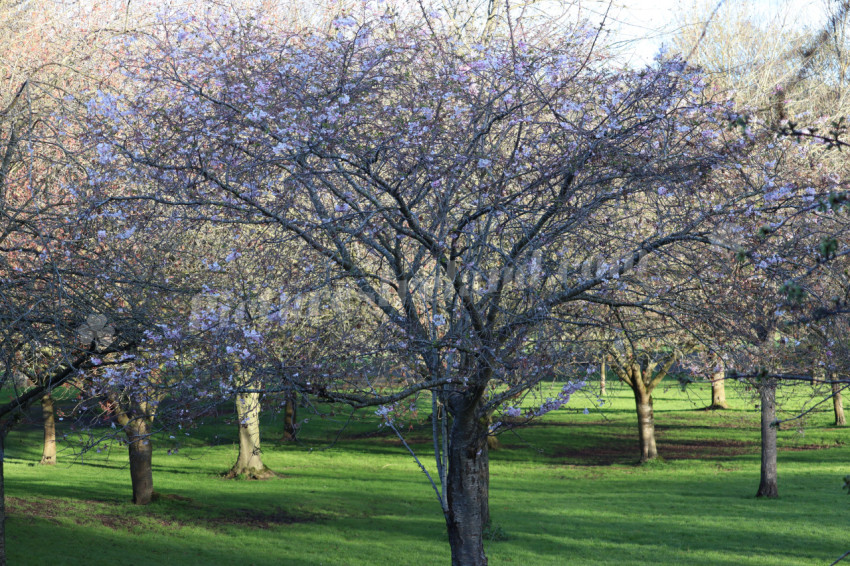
<point x="48" y="452"/>
<point x="602" y="379"/>
<point x="768" y="485"/>
<point x="290" y="417"/>
<point x="468" y="487"/>
<point x="141" y="454"/>
<point x="837" y="404"/>
<point x="249" y="462"/>
<point x="718" y="391"/>
<point x="646" y="425"/>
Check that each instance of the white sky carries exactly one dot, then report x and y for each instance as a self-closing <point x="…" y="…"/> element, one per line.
<point x="641" y="26"/>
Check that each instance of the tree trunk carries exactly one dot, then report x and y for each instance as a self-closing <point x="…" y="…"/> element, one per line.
<point x="250" y="461"/>
<point x="468" y="487"/>
<point x="290" y="416"/>
<point x="141" y="453"/>
<point x="646" y="425"/>
<point x="837" y="404"/>
<point x="602" y="377"/>
<point x="768" y="485"/>
<point x="718" y="391"/>
<point x="48" y="452"/>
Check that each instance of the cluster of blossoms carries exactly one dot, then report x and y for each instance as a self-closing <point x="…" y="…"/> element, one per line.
<point x="550" y="404"/>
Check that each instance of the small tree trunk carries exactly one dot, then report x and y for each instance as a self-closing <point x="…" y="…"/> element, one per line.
<point x="492" y="440"/>
<point x="718" y="391"/>
<point x="141" y="454"/>
<point x="290" y="417"/>
<point x="602" y="376"/>
<point x="768" y="485"/>
<point x="646" y="425"/>
<point x="837" y="404"/>
<point x="48" y="452"/>
<point x="468" y="488"/>
<point x="249" y="462"/>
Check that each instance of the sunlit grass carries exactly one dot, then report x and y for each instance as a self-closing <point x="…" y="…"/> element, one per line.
<point x="565" y="491"/>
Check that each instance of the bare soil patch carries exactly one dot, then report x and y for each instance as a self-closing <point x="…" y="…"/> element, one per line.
<point x="110" y="514"/>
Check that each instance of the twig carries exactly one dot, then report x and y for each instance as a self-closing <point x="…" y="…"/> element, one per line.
<point x="443" y="504"/>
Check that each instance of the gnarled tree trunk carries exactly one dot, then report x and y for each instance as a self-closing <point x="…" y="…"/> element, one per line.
<point x="141" y="453"/>
<point x="718" y="391"/>
<point x="249" y="463"/>
<point x="768" y="485"/>
<point x="837" y="403"/>
<point x="468" y="483"/>
<point x="48" y="415"/>
<point x="646" y="425"/>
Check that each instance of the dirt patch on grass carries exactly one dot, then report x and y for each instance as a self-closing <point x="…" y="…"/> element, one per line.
<point x="114" y="522"/>
<point x="173" y="497"/>
<point x="110" y="515"/>
<point x="258" y="519"/>
<point x="46" y="509"/>
<point x="622" y="450"/>
<point x="617" y="451"/>
<point x="82" y="512"/>
<point x="625" y="451"/>
<point x="705" y="450"/>
<point x="804" y="447"/>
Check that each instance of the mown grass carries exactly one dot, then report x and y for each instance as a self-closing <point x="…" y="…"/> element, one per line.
<point x="564" y="490"/>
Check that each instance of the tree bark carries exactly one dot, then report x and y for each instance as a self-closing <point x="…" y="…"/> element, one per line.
<point x="602" y="378"/>
<point x="646" y="425"/>
<point x="837" y="404"/>
<point x="718" y="391"/>
<point x="768" y="486"/>
<point x="249" y="462"/>
<point x="290" y="416"/>
<point x="48" y="414"/>
<point x="468" y="486"/>
<point x="141" y="455"/>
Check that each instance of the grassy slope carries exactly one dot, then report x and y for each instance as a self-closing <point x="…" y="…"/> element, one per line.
<point x="565" y="490"/>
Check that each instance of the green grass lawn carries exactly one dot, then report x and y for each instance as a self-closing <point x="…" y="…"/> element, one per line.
<point x="564" y="490"/>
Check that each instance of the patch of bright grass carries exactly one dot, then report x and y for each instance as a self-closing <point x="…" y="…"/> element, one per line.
<point x="564" y="490"/>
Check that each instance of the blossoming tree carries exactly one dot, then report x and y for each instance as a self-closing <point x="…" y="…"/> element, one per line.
<point x="478" y="196"/>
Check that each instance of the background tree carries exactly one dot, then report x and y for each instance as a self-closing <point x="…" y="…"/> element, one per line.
<point x="642" y="354"/>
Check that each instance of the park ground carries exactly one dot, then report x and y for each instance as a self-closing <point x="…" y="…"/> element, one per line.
<point x="564" y="490"/>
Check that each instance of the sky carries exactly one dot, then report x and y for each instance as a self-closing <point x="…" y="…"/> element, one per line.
<point x="642" y="26"/>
